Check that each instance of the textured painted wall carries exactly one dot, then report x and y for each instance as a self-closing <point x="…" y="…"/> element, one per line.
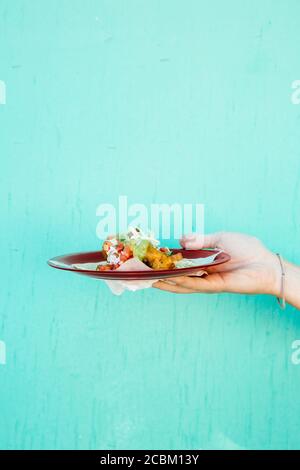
<point x="163" y="101"/>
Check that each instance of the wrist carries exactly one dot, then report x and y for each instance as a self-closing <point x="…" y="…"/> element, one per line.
<point x="274" y="275"/>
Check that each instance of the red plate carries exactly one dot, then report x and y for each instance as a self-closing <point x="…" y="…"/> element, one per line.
<point x="66" y="262"/>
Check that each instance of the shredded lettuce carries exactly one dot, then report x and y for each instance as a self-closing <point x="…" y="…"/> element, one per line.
<point x="139" y="249"/>
<point x="184" y="263"/>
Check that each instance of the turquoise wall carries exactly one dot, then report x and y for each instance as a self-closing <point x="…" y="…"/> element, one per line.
<point x="162" y="101"/>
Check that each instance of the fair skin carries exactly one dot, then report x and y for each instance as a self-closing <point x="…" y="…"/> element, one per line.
<point x="253" y="269"/>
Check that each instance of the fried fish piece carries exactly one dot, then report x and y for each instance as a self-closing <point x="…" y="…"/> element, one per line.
<point x="176" y="257"/>
<point x="157" y="259"/>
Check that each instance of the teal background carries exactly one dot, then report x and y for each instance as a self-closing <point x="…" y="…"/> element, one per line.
<point x="163" y="101"/>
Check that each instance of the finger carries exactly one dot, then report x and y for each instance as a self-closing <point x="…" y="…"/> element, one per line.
<point x="185" y="282"/>
<point x="197" y="241"/>
<point x="209" y="284"/>
<point x="171" y="288"/>
<point x="219" y="268"/>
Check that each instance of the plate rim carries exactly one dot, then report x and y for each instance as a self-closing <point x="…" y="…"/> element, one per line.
<point x="139" y="274"/>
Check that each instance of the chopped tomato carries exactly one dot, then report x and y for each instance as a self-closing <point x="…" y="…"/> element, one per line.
<point x="128" y="250"/>
<point x="126" y="254"/>
<point x="120" y="246"/>
<point x="105" y="267"/>
<point x="106" y="246"/>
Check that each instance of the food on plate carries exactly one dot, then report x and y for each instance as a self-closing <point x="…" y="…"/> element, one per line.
<point x="158" y="259"/>
<point x="135" y="243"/>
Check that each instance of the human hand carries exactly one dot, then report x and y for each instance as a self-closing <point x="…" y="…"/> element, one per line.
<point x="253" y="269"/>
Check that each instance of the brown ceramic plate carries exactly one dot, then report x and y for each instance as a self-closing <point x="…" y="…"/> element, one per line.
<point x="67" y="262"/>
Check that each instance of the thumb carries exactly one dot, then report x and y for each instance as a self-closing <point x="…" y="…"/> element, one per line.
<point x="196" y="241"/>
